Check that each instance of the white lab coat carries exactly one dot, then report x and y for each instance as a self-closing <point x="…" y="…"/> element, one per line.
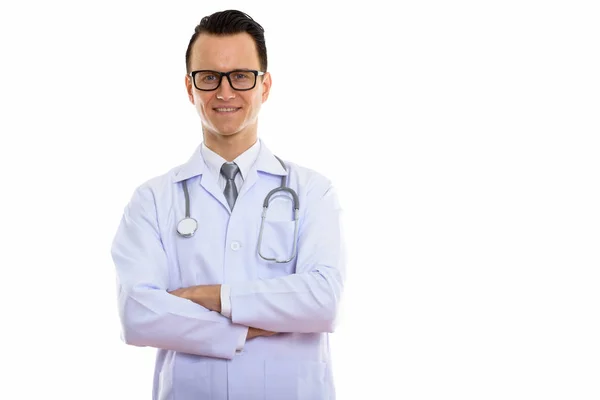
<point x="197" y="356"/>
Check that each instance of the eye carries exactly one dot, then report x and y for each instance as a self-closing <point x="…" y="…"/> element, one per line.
<point x="241" y="76"/>
<point x="208" y="77"/>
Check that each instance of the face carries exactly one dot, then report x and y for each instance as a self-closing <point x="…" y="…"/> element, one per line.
<point x="225" y="111"/>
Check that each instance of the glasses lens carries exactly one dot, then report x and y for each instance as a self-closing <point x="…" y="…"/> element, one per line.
<point x="206" y="80"/>
<point x="242" y="79"/>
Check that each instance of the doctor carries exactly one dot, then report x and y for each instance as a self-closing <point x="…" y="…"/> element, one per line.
<point x="202" y="266"/>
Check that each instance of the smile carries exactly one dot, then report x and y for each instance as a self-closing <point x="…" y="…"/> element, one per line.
<point x="226" y="109"/>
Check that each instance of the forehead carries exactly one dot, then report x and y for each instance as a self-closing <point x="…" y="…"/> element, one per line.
<point x="224" y="53"/>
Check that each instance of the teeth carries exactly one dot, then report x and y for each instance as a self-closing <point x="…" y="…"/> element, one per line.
<point x="226" y="109"/>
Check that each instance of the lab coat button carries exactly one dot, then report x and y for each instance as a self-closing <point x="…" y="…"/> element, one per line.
<point x="235" y="246"/>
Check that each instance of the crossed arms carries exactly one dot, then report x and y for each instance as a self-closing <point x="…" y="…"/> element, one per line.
<point x="209" y="297"/>
<point x="189" y="319"/>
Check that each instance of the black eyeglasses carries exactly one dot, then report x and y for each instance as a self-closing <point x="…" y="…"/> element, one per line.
<point x="239" y="79"/>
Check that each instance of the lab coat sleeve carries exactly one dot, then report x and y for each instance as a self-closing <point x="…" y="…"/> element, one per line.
<point x="307" y="301"/>
<point x="149" y="315"/>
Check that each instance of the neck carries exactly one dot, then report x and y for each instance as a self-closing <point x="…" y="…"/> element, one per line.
<point x="231" y="146"/>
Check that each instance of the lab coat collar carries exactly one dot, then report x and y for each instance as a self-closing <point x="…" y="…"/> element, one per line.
<point x="194" y="167"/>
<point x="265" y="162"/>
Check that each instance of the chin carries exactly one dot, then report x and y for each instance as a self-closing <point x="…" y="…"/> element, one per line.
<point x="229" y="132"/>
<point x="225" y="132"/>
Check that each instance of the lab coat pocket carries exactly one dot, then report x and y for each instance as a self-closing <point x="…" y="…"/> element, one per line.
<point x="191" y="378"/>
<point x="295" y="380"/>
<point x="277" y="241"/>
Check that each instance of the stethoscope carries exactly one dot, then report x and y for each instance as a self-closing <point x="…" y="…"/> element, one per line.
<point x="187" y="226"/>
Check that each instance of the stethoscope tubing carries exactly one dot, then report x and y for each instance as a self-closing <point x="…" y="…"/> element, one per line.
<point x="187" y="227"/>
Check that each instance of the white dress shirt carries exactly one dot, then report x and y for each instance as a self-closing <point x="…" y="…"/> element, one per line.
<point x="244" y="161"/>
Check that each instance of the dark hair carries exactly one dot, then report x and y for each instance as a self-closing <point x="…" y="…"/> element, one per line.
<point x="230" y="22"/>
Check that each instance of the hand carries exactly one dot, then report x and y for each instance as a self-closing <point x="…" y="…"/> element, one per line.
<point x="208" y="296"/>
<point x="255" y="332"/>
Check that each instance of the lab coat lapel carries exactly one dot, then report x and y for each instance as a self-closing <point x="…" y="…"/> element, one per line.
<point x="196" y="166"/>
<point x="210" y="184"/>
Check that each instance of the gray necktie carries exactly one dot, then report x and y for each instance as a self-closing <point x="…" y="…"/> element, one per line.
<point x="229" y="171"/>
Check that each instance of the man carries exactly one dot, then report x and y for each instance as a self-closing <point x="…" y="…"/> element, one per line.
<point x="239" y="307"/>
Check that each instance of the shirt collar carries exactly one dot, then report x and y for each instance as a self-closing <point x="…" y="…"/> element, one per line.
<point x="244" y="161"/>
<point x="258" y="156"/>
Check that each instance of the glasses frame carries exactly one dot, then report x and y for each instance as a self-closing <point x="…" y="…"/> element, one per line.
<point x="226" y="74"/>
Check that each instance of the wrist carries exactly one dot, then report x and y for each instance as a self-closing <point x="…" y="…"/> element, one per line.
<point x="208" y="296"/>
<point x="252" y="333"/>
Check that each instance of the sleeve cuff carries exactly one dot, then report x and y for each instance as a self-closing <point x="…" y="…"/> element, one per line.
<point x="226" y="303"/>
<point x="242" y="341"/>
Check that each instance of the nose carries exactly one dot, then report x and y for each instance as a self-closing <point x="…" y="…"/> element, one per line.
<point x="225" y="91"/>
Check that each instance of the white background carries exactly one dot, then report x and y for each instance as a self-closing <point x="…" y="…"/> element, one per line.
<point x="463" y="139"/>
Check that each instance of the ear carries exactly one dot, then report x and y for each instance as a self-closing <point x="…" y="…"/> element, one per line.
<point x="266" y="86"/>
<point x="189" y="88"/>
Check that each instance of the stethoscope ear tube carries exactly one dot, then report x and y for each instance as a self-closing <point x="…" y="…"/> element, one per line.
<point x="282" y="189"/>
<point x="295" y="240"/>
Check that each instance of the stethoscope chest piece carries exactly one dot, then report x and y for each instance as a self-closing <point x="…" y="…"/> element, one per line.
<point x="187" y="227"/>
